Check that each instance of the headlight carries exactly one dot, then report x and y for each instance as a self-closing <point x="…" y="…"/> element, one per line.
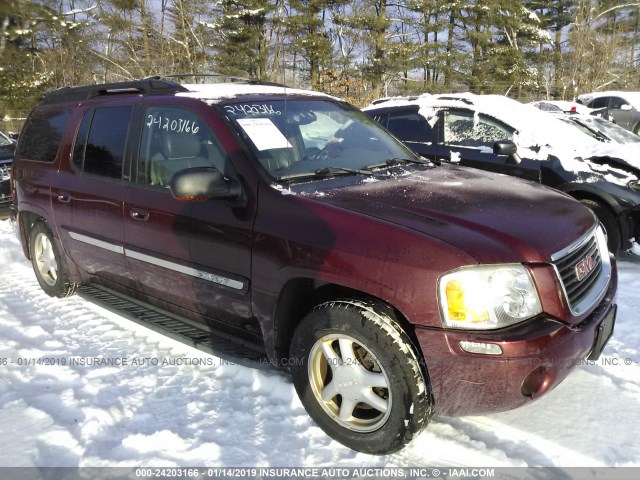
<point x="487" y="297"/>
<point x="634" y="184"/>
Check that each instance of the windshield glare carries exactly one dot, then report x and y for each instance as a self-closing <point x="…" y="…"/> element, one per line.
<point x="613" y="131"/>
<point x="302" y="136"/>
<point x="5" y="140"/>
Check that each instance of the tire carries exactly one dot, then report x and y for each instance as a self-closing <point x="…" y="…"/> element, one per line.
<point x="47" y="264"/>
<point x="609" y="223"/>
<point x="374" y="398"/>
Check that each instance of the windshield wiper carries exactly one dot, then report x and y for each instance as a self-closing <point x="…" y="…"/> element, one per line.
<point x="327" y="172"/>
<point x="392" y="162"/>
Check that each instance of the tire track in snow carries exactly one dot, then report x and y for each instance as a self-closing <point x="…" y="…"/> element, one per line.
<point x="125" y="414"/>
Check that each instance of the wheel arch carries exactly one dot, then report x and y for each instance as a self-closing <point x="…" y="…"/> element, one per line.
<point x="625" y="221"/>
<point x="26" y="221"/>
<point x="301" y="295"/>
<point x="609" y="201"/>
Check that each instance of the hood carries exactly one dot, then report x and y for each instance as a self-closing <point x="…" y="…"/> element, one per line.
<point x="493" y="218"/>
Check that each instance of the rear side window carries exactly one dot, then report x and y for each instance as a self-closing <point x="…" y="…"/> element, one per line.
<point x="105" y="144"/>
<point x="409" y="127"/>
<point x="599" y="102"/>
<point x="41" y="137"/>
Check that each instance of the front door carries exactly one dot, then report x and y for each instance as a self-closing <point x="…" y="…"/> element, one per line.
<point x="468" y="138"/>
<point x="195" y="254"/>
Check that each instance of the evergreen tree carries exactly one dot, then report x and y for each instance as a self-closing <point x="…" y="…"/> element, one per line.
<point x="305" y="26"/>
<point x="241" y="38"/>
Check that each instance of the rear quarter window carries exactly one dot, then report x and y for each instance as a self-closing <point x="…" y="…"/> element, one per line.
<point x="41" y="137"/>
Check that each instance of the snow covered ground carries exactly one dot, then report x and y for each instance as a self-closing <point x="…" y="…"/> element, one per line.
<point x="175" y="413"/>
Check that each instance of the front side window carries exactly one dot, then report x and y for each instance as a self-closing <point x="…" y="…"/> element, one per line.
<point x="105" y="145"/>
<point x="44" y="133"/>
<point x="466" y="129"/>
<point x="298" y="137"/>
<point x="616" y="103"/>
<point x="175" y="139"/>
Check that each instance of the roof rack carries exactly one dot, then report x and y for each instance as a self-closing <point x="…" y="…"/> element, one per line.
<point x="458" y="99"/>
<point x="412" y="98"/>
<point x="85" y="92"/>
<point x="216" y="75"/>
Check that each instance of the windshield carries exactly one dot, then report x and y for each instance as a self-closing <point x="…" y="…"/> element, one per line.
<point x="299" y="137"/>
<point x="601" y="129"/>
<point x="5" y="140"/>
<point x="613" y="131"/>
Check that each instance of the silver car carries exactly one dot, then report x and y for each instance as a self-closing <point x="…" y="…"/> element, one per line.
<point x="623" y="107"/>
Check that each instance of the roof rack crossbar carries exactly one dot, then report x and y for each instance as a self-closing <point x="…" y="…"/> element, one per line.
<point x="251" y="81"/>
<point x="86" y="92"/>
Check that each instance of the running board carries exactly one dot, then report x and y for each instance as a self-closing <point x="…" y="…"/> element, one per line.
<point x="181" y="329"/>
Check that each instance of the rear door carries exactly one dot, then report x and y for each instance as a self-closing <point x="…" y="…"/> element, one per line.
<point x="195" y="255"/>
<point x="88" y="195"/>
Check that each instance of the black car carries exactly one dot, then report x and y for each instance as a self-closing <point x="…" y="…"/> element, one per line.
<point x="502" y="135"/>
<point x="7" y="148"/>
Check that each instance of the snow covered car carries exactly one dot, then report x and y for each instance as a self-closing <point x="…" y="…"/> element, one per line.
<point x="559" y="106"/>
<point x="623" y="107"/>
<point x="498" y="134"/>
<point x="292" y="225"/>
<point x="7" y="147"/>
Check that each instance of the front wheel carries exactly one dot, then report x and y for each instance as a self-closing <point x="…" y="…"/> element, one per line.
<point x="47" y="263"/>
<point x="358" y="377"/>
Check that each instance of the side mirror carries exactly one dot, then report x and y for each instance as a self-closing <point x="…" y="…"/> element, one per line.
<point x="626" y="107"/>
<point x="203" y="183"/>
<point x="507" y="147"/>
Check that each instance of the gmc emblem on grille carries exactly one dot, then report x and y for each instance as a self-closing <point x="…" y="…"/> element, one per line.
<point x="584" y="267"/>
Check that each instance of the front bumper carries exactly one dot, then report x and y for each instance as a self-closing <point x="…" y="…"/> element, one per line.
<point x="536" y="356"/>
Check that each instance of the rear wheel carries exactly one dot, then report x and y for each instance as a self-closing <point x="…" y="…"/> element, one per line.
<point x="609" y="223"/>
<point x="358" y="377"/>
<point x="47" y="263"/>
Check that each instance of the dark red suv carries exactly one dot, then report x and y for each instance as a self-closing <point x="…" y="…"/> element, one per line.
<point x="290" y="223"/>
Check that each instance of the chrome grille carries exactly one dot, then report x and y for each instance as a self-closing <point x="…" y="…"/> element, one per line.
<point x="584" y="269"/>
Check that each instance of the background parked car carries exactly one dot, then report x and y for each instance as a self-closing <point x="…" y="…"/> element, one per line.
<point x="559" y="106"/>
<point x="623" y="107"/>
<point x="502" y="135"/>
<point x="599" y="128"/>
<point x="7" y="148"/>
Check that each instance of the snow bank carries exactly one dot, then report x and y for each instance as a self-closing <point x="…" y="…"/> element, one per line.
<point x="160" y="411"/>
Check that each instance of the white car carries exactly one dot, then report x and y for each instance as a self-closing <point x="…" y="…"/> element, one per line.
<point x="562" y="106"/>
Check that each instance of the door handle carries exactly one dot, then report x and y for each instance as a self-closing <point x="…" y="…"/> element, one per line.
<point x="139" y="214"/>
<point x="64" y="197"/>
